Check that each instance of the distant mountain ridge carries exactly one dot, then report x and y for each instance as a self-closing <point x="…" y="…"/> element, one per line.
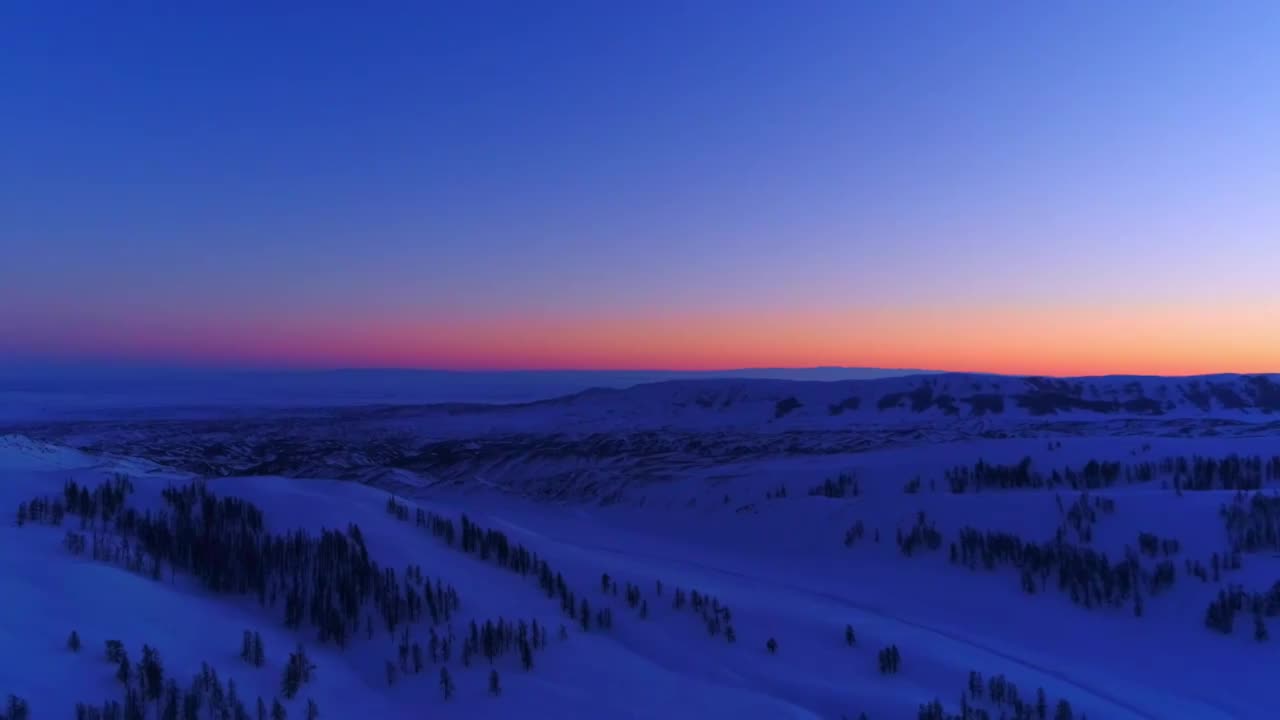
<point x="944" y="396"/>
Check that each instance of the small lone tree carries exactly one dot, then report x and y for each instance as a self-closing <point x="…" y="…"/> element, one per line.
<point x="297" y="672"/>
<point x="849" y="638"/>
<point x="16" y="709"/>
<point x="446" y="683"/>
<point x="73" y="642"/>
<point x="494" y="687"/>
<point x="772" y="646"/>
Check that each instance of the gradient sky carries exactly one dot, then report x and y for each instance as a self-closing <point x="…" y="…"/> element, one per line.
<point x="1059" y="188"/>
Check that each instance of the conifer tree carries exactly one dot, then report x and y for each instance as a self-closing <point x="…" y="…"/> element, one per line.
<point x="494" y="687"/>
<point x="848" y="635"/>
<point x="17" y="709"/>
<point x="772" y="646"/>
<point x="446" y="683"/>
<point x="73" y="642"/>
<point x="277" y="710"/>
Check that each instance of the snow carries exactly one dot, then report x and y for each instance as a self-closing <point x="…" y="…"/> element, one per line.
<point x="780" y="564"/>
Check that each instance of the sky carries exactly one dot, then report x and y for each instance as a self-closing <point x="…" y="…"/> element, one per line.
<point x="1049" y="188"/>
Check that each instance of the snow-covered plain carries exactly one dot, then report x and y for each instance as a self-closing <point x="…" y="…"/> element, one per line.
<point x="716" y="523"/>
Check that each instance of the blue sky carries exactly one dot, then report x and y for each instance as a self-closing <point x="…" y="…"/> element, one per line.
<point x="427" y="182"/>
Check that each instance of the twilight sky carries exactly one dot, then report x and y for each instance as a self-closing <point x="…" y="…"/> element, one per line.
<point x="1059" y="188"/>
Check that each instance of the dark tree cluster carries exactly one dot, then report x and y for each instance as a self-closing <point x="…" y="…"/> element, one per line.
<point x="984" y="475"/>
<point x="15" y="708"/>
<point x="149" y="693"/>
<point x="1219" y="563"/>
<point x="1088" y="576"/>
<point x="1252" y="522"/>
<point x="922" y="534"/>
<point x="493" y="546"/>
<point x="1001" y="695"/>
<point x="784" y="406"/>
<point x="1232" y="472"/>
<point x="251" y="650"/>
<point x="297" y="672"/>
<point x="1156" y="546"/>
<point x="634" y="597"/>
<point x="855" y="533"/>
<point x="74" y="542"/>
<point x="95" y="508"/>
<point x="889" y="660"/>
<point x="715" y="615"/>
<point x="328" y="581"/>
<point x="776" y="494"/>
<point x="843" y="485"/>
<point x="1222" y="611"/>
<point x="1195" y="473"/>
<point x="495" y="639"/>
<point x="1081" y="515"/>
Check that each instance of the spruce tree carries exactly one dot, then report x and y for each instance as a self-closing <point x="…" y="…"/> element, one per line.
<point x="848" y="635"/>
<point x="772" y="646"/>
<point x="446" y="683"/>
<point x="277" y="710"/>
<point x="494" y="687"/>
<point x="73" y="642"/>
<point x="17" y="709"/>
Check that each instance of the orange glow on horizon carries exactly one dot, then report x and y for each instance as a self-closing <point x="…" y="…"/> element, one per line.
<point x="1060" y="341"/>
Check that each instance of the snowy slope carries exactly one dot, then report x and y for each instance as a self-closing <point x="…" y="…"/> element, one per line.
<point x="780" y="563"/>
<point x="781" y="404"/>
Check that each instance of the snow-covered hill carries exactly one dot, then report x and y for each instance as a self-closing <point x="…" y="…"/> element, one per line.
<point x="1111" y="541"/>
<point x="776" y="549"/>
<point x="951" y="396"/>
